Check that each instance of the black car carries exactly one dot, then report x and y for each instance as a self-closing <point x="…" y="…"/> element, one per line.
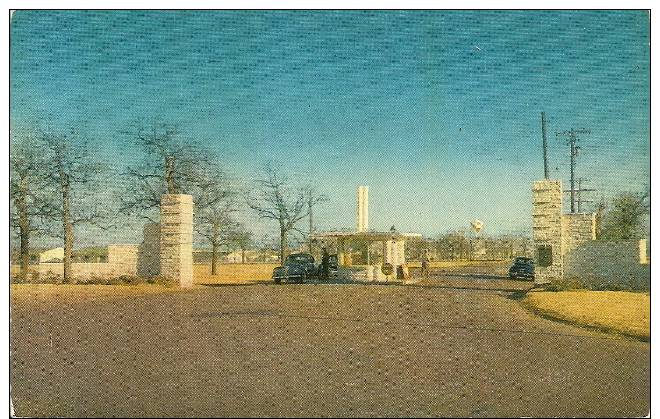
<point x="522" y="268"/>
<point x="298" y="267"/>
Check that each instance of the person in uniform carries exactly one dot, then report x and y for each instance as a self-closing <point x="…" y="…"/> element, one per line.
<point x="425" y="267"/>
<point x="325" y="264"/>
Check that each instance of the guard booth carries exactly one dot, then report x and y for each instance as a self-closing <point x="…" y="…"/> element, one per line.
<point x="393" y="245"/>
<point x="393" y="242"/>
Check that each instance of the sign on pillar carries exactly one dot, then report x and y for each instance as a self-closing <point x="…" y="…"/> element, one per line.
<point x="547" y="230"/>
<point x="176" y="238"/>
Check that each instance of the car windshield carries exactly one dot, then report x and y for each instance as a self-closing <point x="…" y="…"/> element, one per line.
<point x="524" y="260"/>
<point x="299" y="258"/>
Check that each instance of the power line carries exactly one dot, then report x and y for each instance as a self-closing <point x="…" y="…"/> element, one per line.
<point x="578" y="193"/>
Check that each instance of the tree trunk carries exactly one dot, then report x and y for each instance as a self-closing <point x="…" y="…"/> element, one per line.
<point x="283" y="245"/>
<point x="214" y="258"/>
<point x="599" y="221"/>
<point x="214" y="248"/>
<point x="170" y="175"/>
<point x="68" y="228"/>
<point x="24" y="227"/>
<point x="311" y="224"/>
<point x="242" y="255"/>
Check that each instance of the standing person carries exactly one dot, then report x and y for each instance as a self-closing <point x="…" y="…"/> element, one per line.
<point x="425" y="267"/>
<point x="325" y="264"/>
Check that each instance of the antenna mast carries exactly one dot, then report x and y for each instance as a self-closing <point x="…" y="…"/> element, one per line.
<point x="545" y="146"/>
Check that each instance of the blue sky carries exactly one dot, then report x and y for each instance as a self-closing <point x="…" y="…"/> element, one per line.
<point x="438" y="112"/>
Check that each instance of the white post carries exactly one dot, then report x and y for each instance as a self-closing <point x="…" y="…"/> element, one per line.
<point x="176" y="238"/>
<point x="362" y="208"/>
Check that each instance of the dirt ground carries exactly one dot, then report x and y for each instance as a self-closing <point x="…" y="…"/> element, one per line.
<point x="317" y="350"/>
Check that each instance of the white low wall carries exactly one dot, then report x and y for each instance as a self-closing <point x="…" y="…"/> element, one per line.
<point x="81" y="271"/>
<point x="599" y="263"/>
<point x="122" y="261"/>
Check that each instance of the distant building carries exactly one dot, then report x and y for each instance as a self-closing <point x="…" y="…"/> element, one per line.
<point x="52" y="255"/>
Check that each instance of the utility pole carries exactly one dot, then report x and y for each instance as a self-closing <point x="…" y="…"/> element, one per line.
<point x="545" y="147"/>
<point x="575" y="149"/>
<point x="310" y="204"/>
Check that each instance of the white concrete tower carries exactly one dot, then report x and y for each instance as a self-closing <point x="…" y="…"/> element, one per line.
<point x="362" y="208"/>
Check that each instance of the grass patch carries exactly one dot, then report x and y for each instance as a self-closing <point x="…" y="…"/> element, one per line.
<point x="594" y="285"/>
<point x="625" y="313"/>
<point x="565" y="285"/>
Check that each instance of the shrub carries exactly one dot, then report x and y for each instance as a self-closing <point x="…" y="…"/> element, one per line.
<point x="94" y="280"/>
<point x="159" y="280"/>
<point x="49" y="278"/>
<point x="592" y="285"/>
<point x="565" y="285"/>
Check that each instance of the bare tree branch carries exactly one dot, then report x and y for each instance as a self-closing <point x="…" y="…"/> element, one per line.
<point x="274" y="199"/>
<point x="74" y="177"/>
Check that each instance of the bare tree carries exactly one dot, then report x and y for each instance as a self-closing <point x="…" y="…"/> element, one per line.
<point x="75" y="179"/>
<point x="454" y="245"/>
<point x="275" y="199"/>
<point x="313" y="197"/>
<point x="417" y="248"/>
<point x="266" y="245"/>
<point x="169" y="166"/>
<point x="240" y="237"/>
<point x="30" y="207"/>
<point x="214" y="224"/>
<point x="213" y="217"/>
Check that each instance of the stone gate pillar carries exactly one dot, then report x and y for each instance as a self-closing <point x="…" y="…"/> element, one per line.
<point x="176" y="238"/>
<point x="547" y="230"/>
<point x="148" y="264"/>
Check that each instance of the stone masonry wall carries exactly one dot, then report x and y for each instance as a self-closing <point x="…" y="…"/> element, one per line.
<point x="547" y="227"/>
<point x="81" y="271"/>
<point x="125" y="255"/>
<point x="148" y="264"/>
<point x="606" y="264"/>
<point x="176" y="238"/>
<point x="577" y="229"/>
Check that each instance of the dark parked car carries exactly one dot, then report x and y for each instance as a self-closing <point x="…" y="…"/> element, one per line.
<point x="297" y="268"/>
<point x="522" y="268"/>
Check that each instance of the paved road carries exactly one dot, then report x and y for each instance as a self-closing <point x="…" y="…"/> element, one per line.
<point x="317" y="350"/>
